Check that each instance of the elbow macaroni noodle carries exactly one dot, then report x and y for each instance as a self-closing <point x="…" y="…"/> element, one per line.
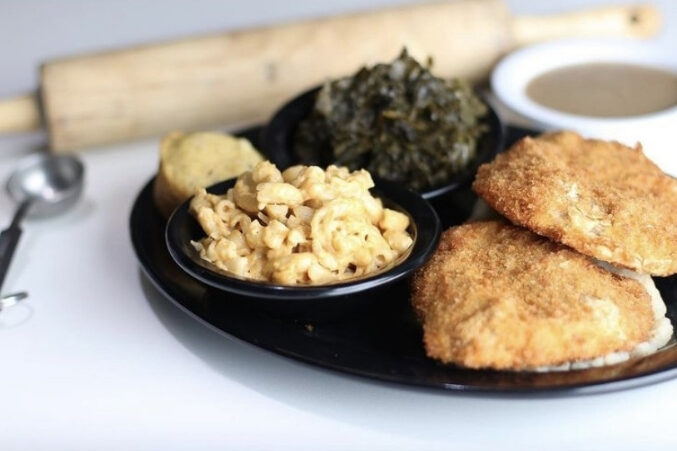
<point x="301" y="226"/>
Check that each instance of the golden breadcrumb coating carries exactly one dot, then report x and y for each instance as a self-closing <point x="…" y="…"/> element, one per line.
<point x="498" y="296"/>
<point x="601" y="198"/>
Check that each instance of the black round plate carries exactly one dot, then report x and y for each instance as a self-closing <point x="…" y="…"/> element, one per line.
<point x="383" y="342"/>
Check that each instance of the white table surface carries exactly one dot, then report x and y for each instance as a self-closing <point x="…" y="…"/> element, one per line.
<point x="97" y="359"/>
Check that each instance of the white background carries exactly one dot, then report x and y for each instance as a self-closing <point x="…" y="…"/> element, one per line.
<point x="96" y="359"/>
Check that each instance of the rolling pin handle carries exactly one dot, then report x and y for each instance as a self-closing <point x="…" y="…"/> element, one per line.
<point x="630" y="21"/>
<point x="20" y="114"/>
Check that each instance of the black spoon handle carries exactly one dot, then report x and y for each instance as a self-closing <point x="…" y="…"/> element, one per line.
<point x="9" y="238"/>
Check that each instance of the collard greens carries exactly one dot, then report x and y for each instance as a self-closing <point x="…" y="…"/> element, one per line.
<point x="396" y="120"/>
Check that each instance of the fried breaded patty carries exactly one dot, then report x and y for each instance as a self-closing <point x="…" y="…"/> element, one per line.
<point x="498" y="296"/>
<point x="601" y="198"/>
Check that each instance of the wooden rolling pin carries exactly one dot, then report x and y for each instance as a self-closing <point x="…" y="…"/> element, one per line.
<point x="243" y="76"/>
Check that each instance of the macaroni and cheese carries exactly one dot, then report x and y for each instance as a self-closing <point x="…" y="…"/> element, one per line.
<point x="300" y="226"/>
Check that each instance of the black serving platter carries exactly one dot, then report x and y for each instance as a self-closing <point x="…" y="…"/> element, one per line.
<point x="383" y="341"/>
<point x="277" y="140"/>
<point x="318" y="302"/>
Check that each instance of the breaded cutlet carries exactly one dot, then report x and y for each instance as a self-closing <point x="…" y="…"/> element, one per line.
<point x="499" y="296"/>
<point x="601" y="198"/>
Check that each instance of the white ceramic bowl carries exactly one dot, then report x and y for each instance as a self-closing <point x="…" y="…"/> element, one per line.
<point x="656" y="131"/>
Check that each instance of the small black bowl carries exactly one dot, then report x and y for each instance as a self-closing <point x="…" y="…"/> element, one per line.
<point x="313" y="301"/>
<point x="277" y="142"/>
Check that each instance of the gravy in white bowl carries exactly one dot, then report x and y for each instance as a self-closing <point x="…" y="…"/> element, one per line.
<point x="605" y="89"/>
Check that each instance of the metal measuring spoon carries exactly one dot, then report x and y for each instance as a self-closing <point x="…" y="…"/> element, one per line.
<point x="9" y="300"/>
<point x="43" y="185"/>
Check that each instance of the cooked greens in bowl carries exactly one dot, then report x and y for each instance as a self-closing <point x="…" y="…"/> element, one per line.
<point x="398" y="121"/>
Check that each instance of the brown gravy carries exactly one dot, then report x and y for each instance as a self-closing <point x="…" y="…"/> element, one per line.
<point x="605" y="89"/>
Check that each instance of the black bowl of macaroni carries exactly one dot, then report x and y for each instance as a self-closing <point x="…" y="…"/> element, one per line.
<point x="305" y="242"/>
